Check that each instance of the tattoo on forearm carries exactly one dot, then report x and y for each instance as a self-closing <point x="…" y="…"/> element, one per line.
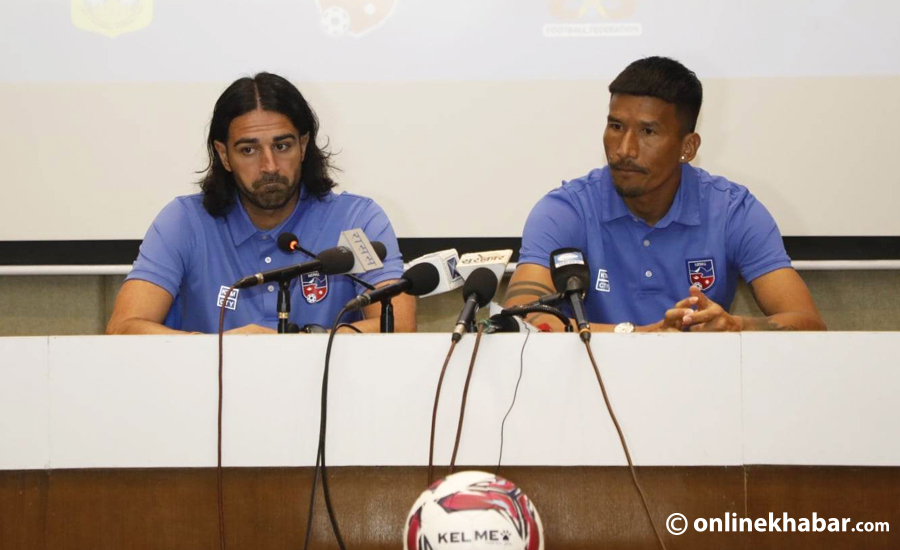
<point x="527" y="288"/>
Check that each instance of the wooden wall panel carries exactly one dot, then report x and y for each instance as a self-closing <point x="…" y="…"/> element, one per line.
<point x="582" y="508"/>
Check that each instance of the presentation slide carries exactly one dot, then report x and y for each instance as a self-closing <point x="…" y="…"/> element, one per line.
<point x="455" y="116"/>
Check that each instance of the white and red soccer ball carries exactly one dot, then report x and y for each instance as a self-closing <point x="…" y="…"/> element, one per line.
<point x="473" y="511"/>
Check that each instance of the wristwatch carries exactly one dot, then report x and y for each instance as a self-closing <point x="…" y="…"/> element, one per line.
<point x="624" y="328"/>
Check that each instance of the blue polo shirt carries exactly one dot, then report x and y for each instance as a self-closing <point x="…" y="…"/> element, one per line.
<point x="196" y="258"/>
<point x="715" y="232"/>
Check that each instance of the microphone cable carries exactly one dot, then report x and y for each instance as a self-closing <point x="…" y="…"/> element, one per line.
<point x="612" y="415"/>
<point x="220" y="492"/>
<point x="465" y="395"/>
<point x="437" y="398"/>
<point x="515" y="394"/>
<point x="320" y="453"/>
<point x="525" y="309"/>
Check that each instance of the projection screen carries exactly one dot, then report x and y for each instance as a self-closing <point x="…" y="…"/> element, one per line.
<point x="455" y="116"/>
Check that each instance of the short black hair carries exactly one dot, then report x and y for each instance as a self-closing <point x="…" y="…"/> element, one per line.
<point x="268" y="92"/>
<point x="665" y="79"/>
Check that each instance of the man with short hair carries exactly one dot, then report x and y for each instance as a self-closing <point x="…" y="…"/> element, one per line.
<point x="266" y="176"/>
<point x="666" y="242"/>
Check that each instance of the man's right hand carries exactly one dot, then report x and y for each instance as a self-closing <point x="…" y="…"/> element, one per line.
<point x="673" y="321"/>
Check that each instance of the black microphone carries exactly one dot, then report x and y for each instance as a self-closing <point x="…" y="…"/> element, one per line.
<point x="477" y="292"/>
<point x="333" y="261"/>
<point x="570" y="274"/>
<point x="288" y="242"/>
<point x="505" y="323"/>
<point x="417" y="280"/>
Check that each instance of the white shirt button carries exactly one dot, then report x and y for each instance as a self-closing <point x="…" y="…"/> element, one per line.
<point x="648" y="274"/>
<point x="272" y="287"/>
<point x="646" y="242"/>
<point x="264" y="237"/>
<point x="269" y="260"/>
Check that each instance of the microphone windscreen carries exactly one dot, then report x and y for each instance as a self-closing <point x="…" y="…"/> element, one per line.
<point x="423" y="278"/>
<point x="505" y="323"/>
<point x="336" y="260"/>
<point x="483" y="284"/>
<point x="380" y="249"/>
<point x="285" y="240"/>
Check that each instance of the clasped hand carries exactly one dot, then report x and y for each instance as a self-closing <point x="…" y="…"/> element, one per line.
<point x="697" y="313"/>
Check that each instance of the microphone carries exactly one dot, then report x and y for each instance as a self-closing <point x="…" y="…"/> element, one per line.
<point x="477" y="292"/>
<point x="507" y="323"/>
<point x="495" y="260"/>
<point x="570" y="274"/>
<point x="418" y="280"/>
<point x="445" y="262"/>
<point x="333" y="261"/>
<point x="288" y="242"/>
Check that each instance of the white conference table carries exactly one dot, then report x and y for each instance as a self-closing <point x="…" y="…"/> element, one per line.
<point x="682" y="400"/>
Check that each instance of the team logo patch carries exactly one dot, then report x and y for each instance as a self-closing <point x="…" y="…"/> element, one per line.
<point x="701" y="273"/>
<point x="315" y="286"/>
<point x="602" y="280"/>
<point x="231" y="302"/>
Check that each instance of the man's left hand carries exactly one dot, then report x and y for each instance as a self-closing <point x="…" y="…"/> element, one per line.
<point x="710" y="316"/>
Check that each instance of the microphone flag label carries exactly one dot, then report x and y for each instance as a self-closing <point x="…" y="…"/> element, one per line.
<point x="701" y="273"/>
<point x="315" y="287"/>
<point x="568" y="258"/>
<point x="364" y="255"/>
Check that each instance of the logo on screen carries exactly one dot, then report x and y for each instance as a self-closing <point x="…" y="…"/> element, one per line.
<point x="591" y="18"/>
<point x="112" y="18"/>
<point x="354" y="17"/>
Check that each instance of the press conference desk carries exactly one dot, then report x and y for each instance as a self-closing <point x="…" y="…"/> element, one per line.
<point x="110" y="442"/>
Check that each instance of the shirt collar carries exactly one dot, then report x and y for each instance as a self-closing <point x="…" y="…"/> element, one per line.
<point x="238" y="221"/>
<point x="685" y="208"/>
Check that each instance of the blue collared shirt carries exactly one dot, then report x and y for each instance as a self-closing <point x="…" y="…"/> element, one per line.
<point x="714" y="232"/>
<point x="196" y="258"/>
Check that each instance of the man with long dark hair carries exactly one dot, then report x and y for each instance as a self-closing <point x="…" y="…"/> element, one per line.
<point x="666" y="242"/>
<point x="267" y="175"/>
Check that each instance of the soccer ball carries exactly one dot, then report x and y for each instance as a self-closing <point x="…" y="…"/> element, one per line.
<point x="473" y="511"/>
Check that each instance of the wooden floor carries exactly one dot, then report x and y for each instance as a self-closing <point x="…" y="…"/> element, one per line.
<point x="582" y="508"/>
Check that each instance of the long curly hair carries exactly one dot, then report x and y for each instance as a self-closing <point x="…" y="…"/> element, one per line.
<point x="269" y="92"/>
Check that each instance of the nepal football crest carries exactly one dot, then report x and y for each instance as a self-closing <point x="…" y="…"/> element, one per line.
<point x="701" y="273"/>
<point x="315" y="286"/>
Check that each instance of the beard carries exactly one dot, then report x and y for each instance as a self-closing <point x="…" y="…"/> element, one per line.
<point x="629" y="190"/>
<point x="270" y="192"/>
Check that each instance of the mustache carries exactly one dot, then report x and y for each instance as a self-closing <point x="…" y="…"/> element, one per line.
<point x="628" y="165"/>
<point x="270" y="178"/>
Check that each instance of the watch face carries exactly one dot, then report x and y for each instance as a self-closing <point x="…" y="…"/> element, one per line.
<point x="624" y="328"/>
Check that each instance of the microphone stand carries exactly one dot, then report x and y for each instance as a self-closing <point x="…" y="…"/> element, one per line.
<point x="284" y="305"/>
<point x="387" y="316"/>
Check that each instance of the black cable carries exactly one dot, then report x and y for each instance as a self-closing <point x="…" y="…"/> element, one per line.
<point x="320" y="456"/>
<point x="348" y="325"/>
<point x="522" y="311"/>
<point x="352" y="277"/>
<point x="515" y="394"/>
<point x="437" y="398"/>
<point x="465" y="396"/>
<point x="612" y="415"/>
<point x="220" y="491"/>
